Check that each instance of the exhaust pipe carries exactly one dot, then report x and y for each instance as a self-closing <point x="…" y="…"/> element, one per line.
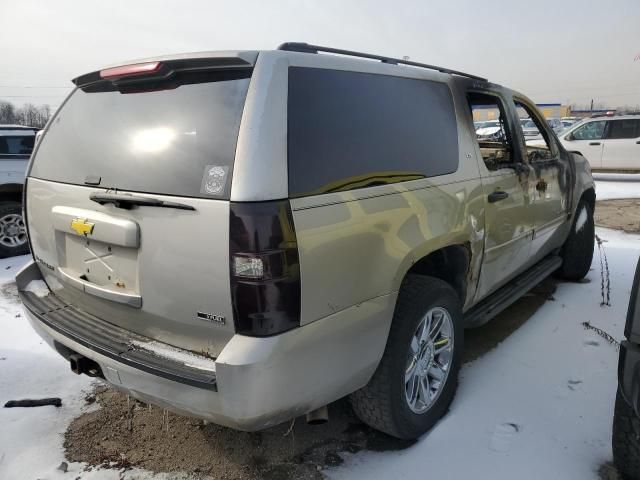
<point x="319" y="416"/>
<point x="80" y="365"/>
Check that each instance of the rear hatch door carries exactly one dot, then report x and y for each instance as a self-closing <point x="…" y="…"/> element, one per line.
<point x="127" y="199"/>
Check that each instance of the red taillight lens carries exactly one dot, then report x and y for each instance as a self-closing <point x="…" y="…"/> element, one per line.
<point x="264" y="267"/>
<point x="131" y="70"/>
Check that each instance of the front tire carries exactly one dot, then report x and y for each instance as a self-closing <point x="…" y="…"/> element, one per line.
<point x="577" y="251"/>
<point x="13" y="232"/>
<point x="626" y="440"/>
<point x="418" y="374"/>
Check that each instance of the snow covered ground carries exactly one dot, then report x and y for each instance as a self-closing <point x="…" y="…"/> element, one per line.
<point x="537" y="406"/>
<point x="617" y="185"/>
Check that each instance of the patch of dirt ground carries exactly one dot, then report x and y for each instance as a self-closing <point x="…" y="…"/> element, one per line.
<point x="619" y="214"/>
<point x="125" y="432"/>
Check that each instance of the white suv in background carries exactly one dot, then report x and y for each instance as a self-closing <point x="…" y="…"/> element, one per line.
<point x="16" y="145"/>
<point x="608" y="143"/>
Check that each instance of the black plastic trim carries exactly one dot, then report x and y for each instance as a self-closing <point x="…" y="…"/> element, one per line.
<point x="629" y="374"/>
<point x="505" y="296"/>
<point x="110" y="340"/>
<point x="307" y="48"/>
<point x="631" y="327"/>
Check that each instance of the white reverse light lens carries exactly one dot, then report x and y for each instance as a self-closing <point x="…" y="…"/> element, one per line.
<point x="248" y="267"/>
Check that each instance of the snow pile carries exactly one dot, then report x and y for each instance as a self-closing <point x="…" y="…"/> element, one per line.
<point x="37" y="287"/>
<point x="31" y="438"/>
<point x="167" y="351"/>
<point x="581" y="220"/>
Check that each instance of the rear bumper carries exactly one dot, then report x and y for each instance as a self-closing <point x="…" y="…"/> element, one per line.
<point x="629" y="374"/>
<point x="257" y="383"/>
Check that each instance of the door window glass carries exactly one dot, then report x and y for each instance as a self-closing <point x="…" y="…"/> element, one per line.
<point x="538" y="143"/>
<point x="589" y="131"/>
<point x="628" y="128"/>
<point x="493" y="136"/>
<point x="16" y="145"/>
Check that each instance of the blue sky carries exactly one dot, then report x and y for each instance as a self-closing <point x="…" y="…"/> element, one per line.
<point x="550" y="50"/>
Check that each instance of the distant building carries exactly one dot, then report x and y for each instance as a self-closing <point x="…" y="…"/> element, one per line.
<point x="553" y="110"/>
<point x="548" y="110"/>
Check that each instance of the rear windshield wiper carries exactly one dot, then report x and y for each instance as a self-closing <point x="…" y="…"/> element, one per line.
<point x="127" y="202"/>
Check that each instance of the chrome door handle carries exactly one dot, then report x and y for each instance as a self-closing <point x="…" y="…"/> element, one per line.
<point x="126" y="298"/>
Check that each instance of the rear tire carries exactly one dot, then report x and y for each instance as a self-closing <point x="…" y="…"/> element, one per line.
<point x="626" y="440"/>
<point x="427" y="309"/>
<point x="577" y="251"/>
<point x="13" y="233"/>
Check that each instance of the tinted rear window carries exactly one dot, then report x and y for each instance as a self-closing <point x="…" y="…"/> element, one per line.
<point x="627" y="128"/>
<point x="177" y="141"/>
<point x="349" y="130"/>
<point x="16" y="144"/>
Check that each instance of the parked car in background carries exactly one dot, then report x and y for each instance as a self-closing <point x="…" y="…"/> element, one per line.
<point x="608" y="143"/>
<point x="16" y="145"/>
<point x="490" y="130"/>
<point x="248" y="236"/>
<point x="530" y="129"/>
<point x="626" y="415"/>
<point x="555" y="124"/>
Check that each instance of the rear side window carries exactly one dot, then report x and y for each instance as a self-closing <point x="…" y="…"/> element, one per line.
<point x="16" y="144"/>
<point x="179" y="140"/>
<point x="628" y="128"/>
<point x="349" y="130"/>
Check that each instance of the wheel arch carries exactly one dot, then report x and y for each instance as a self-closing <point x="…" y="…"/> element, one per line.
<point x="451" y="263"/>
<point x="589" y="196"/>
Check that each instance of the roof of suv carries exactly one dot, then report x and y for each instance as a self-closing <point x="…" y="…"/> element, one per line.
<point x="247" y="58"/>
<point x="17" y="127"/>
<point x="611" y="117"/>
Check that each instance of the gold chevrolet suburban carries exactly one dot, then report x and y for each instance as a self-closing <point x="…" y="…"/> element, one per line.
<point x="246" y="236"/>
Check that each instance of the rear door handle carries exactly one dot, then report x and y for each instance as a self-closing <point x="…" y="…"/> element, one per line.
<point x="638" y="142"/>
<point x="130" y="299"/>
<point x="594" y="143"/>
<point x="497" y="196"/>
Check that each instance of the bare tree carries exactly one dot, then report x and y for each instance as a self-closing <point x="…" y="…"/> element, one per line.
<point x="31" y="115"/>
<point x="7" y="113"/>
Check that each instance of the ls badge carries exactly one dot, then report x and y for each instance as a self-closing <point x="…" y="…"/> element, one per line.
<point x="210" y="317"/>
<point x="82" y="226"/>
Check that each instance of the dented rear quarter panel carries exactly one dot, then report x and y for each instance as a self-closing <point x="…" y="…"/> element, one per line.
<point x="356" y="246"/>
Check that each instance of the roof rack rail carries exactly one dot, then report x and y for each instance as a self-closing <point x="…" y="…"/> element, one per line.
<point x="307" y="48"/>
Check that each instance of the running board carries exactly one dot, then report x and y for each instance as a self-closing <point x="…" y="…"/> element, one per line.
<point x="512" y="291"/>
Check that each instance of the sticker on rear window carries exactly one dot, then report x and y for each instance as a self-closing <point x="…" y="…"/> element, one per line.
<point x="214" y="180"/>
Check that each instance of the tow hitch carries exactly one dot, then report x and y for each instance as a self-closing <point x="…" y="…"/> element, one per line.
<point x="80" y="365"/>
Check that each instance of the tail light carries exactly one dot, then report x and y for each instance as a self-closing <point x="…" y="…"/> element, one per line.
<point x="264" y="267"/>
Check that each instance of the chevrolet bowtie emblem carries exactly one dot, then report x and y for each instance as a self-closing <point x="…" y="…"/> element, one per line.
<point x="81" y="226"/>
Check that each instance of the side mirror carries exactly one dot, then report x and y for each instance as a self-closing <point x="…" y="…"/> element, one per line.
<point x="569" y="137"/>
